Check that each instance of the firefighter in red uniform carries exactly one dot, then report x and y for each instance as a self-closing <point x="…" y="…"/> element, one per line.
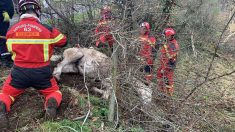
<point x="147" y="50"/>
<point x="168" y="57"/>
<point x="105" y="38"/>
<point x="31" y="44"/>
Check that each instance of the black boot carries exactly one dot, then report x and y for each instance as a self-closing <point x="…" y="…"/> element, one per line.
<point x="51" y="109"/>
<point x="4" y="123"/>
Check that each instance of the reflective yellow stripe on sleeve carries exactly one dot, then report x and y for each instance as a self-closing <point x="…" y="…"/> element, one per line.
<point x="58" y="91"/>
<point x="46" y="46"/>
<point x="12" y="98"/>
<point x="9" y="46"/>
<point x="13" y="55"/>
<point x="57" y="39"/>
<point x="46" y="52"/>
<point x="145" y="39"/>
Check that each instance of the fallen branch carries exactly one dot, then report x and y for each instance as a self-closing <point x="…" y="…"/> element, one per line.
<point x="229" y="36"/>
<point x="207" y="80"/>
<point x="79" y="118"/>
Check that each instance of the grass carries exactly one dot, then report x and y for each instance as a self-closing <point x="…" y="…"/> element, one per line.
<point x="209" y="99"/>
<point x="74" y="126"/>
<point x="64" y="126"/>
<point x="96" y="122"/>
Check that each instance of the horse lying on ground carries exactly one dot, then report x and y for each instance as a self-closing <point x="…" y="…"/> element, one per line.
<point x="96" y="66"/>
<point x="88" y="62"/>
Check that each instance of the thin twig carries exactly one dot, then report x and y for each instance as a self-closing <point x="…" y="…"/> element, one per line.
<point x="88" y="97"/>
<point x="211" y="63"/>
<point x="70" y="128"/>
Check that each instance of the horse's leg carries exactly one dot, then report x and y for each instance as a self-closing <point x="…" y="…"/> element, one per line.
<point x="107" y="85"/>
<point x="58" y="70"/>
<point x="70" y="56"/>
<point x="99" y="91"/>
<point x="70" y="68"/>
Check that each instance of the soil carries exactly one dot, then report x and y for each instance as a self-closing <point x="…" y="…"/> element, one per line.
<point x="27" y="112"/>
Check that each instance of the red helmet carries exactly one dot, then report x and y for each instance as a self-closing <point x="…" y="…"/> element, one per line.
<point x="169" y="32"/>
<point x="146" y="25"/>
<point x="106" y="13"/>
<point x="105" y="9"/>
<point x="26" y="5"/>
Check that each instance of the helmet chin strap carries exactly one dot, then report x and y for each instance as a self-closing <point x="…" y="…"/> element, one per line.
<point x="146" y="33"/>
<point x="171" y="38"/>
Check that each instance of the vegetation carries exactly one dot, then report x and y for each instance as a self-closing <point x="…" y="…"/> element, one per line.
<point x="204" y="98"/>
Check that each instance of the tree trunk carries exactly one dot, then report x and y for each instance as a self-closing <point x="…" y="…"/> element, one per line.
<point x="114" y="81"/>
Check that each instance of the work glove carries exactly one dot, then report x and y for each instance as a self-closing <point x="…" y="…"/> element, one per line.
<point x="6" y="17"/>
<point x="172" y="63"/>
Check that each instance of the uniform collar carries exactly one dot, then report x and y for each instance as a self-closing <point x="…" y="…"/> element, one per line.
<point x="144" y="36"/>
<point x="173" y="40"/>
<point x="25" y="16"/>
<point x="101" y="22"/>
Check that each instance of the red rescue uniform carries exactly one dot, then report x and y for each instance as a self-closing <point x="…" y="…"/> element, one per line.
<point x="165" y="72"/>
<point x="104" y="36"/>
<point x="31" y="44"/>
<point x="148" y="44"/>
